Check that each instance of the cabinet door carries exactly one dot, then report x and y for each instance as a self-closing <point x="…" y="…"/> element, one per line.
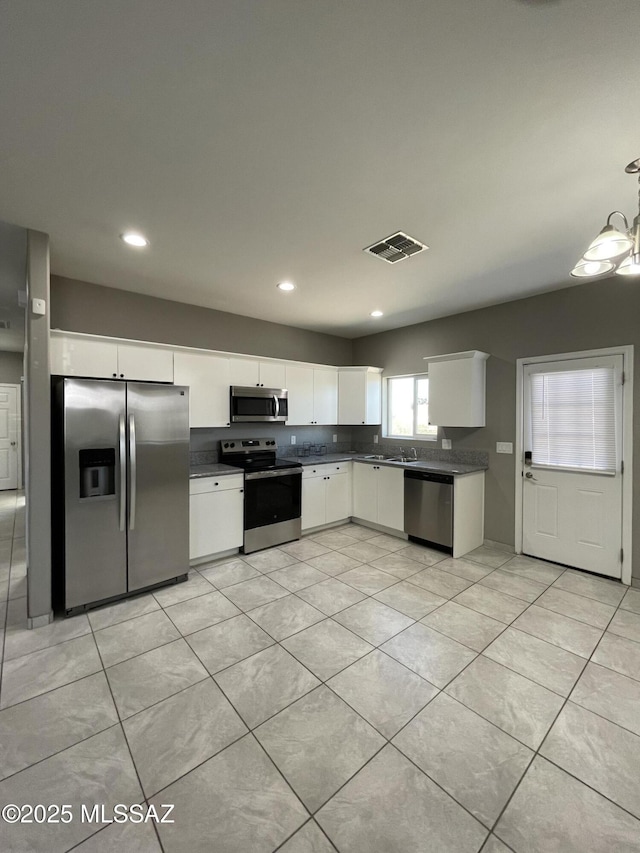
<point x="208" y="379"/>
<point x="215" y="522"/>
<point x="391" y="497"/>
<point x="150" y="364"/>
<point x="338" y="497"/>
<point x="313" y="502"/>
<point x="76" y="357"/>
<point x="457" y="392"/>
<point x="272" y="375"/>
<point x="365" y="491"/>
<point x="325" y="396"/>
<point x="300" y="387"/>
<point x="373" y="395"/>
<point x="352" y="397"/>
<point x="244" y="371"/>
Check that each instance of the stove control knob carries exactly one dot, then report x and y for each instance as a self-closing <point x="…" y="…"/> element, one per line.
<point x="226" y="444"/>
<point x="233" y="444"/>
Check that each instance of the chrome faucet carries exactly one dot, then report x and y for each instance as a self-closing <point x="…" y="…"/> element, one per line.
<point x="415" y="454"/>
<point x="401" y="454"/>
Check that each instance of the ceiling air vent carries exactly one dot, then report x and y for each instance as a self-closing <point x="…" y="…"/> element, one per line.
<point x="395" y="248"/>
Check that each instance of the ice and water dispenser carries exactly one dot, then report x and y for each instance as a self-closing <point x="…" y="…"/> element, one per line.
<point x="97" y="472"/>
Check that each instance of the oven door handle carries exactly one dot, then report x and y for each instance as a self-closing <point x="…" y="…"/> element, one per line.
<point x="263" y="475"/>
<point x="276" y="406"/>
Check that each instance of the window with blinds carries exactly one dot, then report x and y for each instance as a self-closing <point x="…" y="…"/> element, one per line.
<point x="573" y="419"/>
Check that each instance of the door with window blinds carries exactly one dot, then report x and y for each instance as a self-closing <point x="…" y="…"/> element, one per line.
<point x="572" y="491"/>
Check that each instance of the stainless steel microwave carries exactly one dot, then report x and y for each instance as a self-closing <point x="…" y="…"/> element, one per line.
<point x="255" y="404"/>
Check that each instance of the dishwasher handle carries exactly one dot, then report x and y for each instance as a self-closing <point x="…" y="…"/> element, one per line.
<point x="428" y="477"/>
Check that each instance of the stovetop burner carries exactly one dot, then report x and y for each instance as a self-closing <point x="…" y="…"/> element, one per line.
<point x="253" y="454"/>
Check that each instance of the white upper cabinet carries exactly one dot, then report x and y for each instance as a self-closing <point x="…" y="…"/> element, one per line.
<point x="457" y="389"/>
<point x="360" y="395"/>
<point x="208" y="379"/>
<point x="83" y="357"/>
<point x="147" y="363"/>
<point x="313" y="395"/>
<point x="244" y="371"/>
<point x="273" y="374"/>
<point x="251" y="372"/>
<point x="300" y="388"/>
<point x="325" y="396"/>
<point x="100" y="359"/>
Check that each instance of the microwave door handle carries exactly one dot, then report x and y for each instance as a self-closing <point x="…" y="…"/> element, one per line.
<point x="122" y="449"/>
<point x="132" y="472"/>
<point x="276" y="406"/>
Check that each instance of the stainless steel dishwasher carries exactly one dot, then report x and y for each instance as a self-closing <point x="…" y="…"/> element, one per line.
<point x="428" y="508"/>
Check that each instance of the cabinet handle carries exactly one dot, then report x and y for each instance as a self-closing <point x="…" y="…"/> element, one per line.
<point x="122" y="376"/>
<point x="115" y="375"/>
<point x="216" y="484"/>
<point x="241" y="491"/>
<point x="362" y="421"/>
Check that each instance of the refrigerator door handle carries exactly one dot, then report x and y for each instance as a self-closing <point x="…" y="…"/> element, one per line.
<point x="132" y="472"/>
<point x="123" y="471"/>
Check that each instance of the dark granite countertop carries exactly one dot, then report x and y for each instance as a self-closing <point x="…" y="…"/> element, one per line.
<point x="213" y="470"/>
<point x="432" y="466"/>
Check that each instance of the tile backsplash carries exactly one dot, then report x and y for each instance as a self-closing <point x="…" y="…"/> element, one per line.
<point x="205" y="443"/>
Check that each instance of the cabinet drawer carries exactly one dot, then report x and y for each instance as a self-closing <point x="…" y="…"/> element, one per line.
<point x="311" y="471"/>
<point x="201" y="485"/>
<point x="326" y="469"/>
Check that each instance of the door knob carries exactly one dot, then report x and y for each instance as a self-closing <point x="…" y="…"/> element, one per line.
<point x="530" y="476"/>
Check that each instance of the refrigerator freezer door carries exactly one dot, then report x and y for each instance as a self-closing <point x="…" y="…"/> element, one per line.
<point x="94" y="491"/>
<point x="158" y="487"/>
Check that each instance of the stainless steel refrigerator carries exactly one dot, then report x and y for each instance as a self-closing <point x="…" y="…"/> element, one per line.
<point x="120" y="488"/>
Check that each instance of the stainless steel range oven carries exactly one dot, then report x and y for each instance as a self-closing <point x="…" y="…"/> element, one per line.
<point x="272" y="492"/>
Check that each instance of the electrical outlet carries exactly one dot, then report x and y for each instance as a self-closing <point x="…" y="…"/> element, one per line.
<point x="375" y="438"/>
<point x="293" y="439"/>
<point x="335" y="438"/>
<point x="446" y="444"/>
<point x="504" y="447"/>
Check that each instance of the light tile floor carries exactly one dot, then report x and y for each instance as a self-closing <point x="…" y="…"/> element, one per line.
<point x="350" y="692"/>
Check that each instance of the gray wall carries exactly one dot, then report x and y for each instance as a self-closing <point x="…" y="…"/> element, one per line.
<point x="78" y="306"/>
<point x="38" y="434"/>
<point x="589" y="316"/>
<point x="11" y="367"/>
<point x="208" y="440"/>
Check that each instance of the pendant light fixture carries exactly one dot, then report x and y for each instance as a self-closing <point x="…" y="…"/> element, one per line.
<point x="613" y="249"/>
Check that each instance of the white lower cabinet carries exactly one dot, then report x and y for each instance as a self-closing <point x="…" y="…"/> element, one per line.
<point x="378" y="494"/>
<point x="216" y="513"/>
<point x="326" y="494"/>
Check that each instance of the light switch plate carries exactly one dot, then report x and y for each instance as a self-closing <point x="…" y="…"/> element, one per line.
<point x="38" y="306"/>
<point x="446" y="444"/>
<point x="293" y="439"/>
<point x="375" y="438"/>
<point x="335" y="438"/>
<point x="504" y="447"/>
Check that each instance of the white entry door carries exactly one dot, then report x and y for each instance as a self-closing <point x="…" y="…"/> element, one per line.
<point x="572" y="490"/>
<point x="8" y="437"/>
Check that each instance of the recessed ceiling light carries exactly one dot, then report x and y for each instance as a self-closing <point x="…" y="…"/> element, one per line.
<point x="286" y="285"/>
<point x="376" y="314"/>
<point x="131" y="238"/>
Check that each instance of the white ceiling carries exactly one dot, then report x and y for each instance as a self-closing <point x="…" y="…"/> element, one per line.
<point x="258" y="140"/>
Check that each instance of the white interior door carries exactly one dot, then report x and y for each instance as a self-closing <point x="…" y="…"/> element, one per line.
<point x="8" y="437"/>
<point x="572" y="490"/>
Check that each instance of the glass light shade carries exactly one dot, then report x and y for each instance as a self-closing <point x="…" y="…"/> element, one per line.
<point x="628" y="267"/>
<point x="132" y="238"/>
<point x="589" y="269"/>
<point x="609" y="245"/>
